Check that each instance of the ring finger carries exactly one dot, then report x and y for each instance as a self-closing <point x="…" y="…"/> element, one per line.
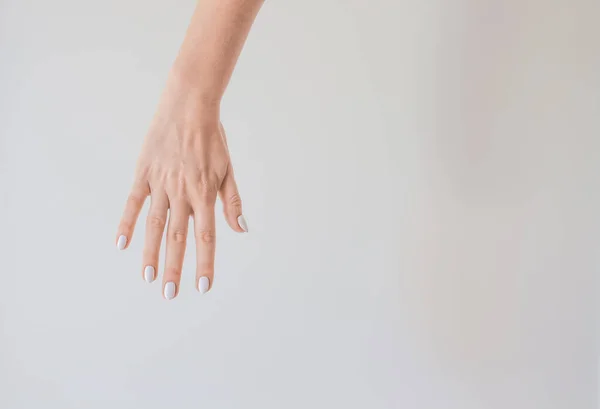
<point x="176" y="239"/>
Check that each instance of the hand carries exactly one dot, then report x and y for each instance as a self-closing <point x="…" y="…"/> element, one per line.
<point x="183" y="165"/>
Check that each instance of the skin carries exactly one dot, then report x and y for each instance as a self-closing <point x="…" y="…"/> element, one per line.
<point x="184" y="163"/>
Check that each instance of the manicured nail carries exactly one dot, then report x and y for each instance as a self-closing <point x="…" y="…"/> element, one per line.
<point x="170" y="290"/>
<point x="242" y="223"/>
<point x="203" y="284"/>
<point x="149" y="274"/>
<point x="122" y="242"/>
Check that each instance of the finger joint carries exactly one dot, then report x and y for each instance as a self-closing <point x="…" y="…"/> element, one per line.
<point x="156" y="222"/>
<point x="206" y="236"/>
<point x="178" y="236"/>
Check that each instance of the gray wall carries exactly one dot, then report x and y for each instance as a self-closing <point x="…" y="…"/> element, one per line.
<point x="421" y="182"/>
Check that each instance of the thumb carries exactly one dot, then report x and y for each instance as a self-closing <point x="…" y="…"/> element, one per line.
<point x="232" y="203"/>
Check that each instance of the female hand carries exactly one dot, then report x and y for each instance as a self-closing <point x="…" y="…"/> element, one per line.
<point x="184" y="161"/>
<point x="183" y="165"/>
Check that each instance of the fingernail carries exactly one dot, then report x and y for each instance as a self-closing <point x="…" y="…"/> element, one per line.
<point x="149" y="274"/>
<point x="203" y="284"/>
<point x="169" y="290"/>
<point x="122" y="242"/>
<point x="242" y="222"/>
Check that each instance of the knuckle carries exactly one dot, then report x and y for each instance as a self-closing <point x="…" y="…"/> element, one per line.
<point x="206" y="186"/>
<point x="178" y="236"/>
<point x="206" y="236"/>
<point x="175" y="184"/>
<point x="156" y="222"/>
<point x="206" y="190"/>
<point x="235" y="200"/>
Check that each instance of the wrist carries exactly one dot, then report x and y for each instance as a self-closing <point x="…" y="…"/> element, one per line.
<point x="185" y="79"/>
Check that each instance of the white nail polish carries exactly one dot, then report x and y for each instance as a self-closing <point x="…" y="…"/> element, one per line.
<point x="122" y="242"/>
<point x="170" y="290"/>
<point x="242" y="222"/>
<point x="149" y="274"/>
<point x="203" y="284"/>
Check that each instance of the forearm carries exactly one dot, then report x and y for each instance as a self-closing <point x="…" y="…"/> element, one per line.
<point x="212" y="46"/>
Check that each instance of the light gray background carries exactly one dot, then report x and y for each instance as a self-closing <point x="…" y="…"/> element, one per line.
<point x="421" y="182"/>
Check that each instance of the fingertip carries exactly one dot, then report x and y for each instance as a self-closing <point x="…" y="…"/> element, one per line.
<point x="122" y="242"/>
<point x="242" y="223"/>
<point x="149" y="274"/>
<point x="170" y="290"/>
<point x="203" y="284"/>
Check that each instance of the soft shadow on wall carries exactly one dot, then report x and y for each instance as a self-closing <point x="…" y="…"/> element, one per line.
<point x="507" y="258"/>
